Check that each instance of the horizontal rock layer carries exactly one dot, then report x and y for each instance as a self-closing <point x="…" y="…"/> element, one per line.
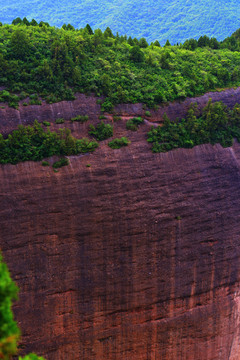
<point x="86" y="105"/>
<point x="135" y="257"/>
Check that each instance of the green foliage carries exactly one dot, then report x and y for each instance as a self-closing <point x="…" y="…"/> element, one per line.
<point x="147" y="113"/>
<point x="46" y="123"/>
<point x="217" y="124"/>
<point x="132" y="124"/>
<point x="80" y="118"/>
<point x="45" y="163"/>
<point x="31" y="357"/>
<point x="34" y="100"/>
<point x="59" y="121"/>
<point x="33" y="143"/>
<point x="60" y="163"/>
<point x="57" y="63"/>
<point x="12" y="99"/>
<point x="102" y="131"/>
<point x="9" y="332"/>
<point x="118" y="143"/>
<point x="136" y="54"/>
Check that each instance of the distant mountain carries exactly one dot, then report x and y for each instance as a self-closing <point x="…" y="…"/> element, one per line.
<point x="176" y="20"/>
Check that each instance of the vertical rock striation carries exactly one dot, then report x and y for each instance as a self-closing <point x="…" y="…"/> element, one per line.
<point x="135" y="257"/>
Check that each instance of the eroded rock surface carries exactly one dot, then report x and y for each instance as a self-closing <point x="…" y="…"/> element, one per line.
<point x="135" y="257"/>
<point x="86" y="105"/>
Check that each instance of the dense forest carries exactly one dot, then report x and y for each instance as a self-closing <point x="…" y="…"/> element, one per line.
<point x="38" y="62"/>
<point x="176" y="20"/>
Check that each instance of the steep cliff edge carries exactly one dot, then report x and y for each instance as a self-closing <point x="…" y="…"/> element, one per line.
<point x="135" y="257"/>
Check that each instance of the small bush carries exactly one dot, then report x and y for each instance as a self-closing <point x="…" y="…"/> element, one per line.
<point x="23" y="95"/>
<point x="147" y="113"/>
<point x="45" y="163"/>
<point x="59" y="121"/>
<point x="80" y="118"/>
<point x="101" y="131"/>
<point x="84" y="145"/>
<point x="25" y="104"/>
<point x="107" y="106"/>
<point x="132" y="124"/>
<point x="102" y="117"/>
<point x="35" y="102"/>
<point x="52" y="99"/>
<point x="60" y="163"/>
<point x="88" y="165"/>
<point x="46" y="123"/>
<point x="13" y="105"/>
<point x="118" y="143"/>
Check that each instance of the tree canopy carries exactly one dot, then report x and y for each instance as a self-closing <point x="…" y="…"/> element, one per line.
<point x="39" y="62"/>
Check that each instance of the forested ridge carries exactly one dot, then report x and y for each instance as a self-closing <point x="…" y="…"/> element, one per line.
<point x="38" y="61"/>
<point x="176" y="20"/>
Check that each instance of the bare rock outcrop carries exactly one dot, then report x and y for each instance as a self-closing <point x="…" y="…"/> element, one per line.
<point x="135" y="257"/>
<point x="86" y="105"/>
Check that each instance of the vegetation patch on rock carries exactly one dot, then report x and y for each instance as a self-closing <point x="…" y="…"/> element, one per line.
<point x="217" y="124"/>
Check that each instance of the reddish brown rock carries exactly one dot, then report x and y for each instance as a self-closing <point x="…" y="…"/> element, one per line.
<point x="134" y="258"/>
<point x="86" y="105"/>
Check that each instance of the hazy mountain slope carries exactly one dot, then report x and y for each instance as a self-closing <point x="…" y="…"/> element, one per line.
<point x="176" y="20"/>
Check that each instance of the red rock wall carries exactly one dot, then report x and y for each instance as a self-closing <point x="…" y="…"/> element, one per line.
<point x="134" y="258"/>
<point x="86" y="105"/>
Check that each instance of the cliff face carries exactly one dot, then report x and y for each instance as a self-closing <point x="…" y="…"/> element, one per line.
<point x="135" y="257"/>
<point x="86" y="105"/>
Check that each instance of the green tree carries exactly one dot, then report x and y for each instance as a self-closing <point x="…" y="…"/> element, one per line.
<point x="136" y="54"/>
<point x="20" y="44"/>
<point x="9" y="331"/>
<point x="108" y="33"/>
<point x="143" y="43"/>
<point x="16" y="21"/>
<point x="167" y="43"/>
<point x="156" y="43"/>
<point x="89" y="29"/>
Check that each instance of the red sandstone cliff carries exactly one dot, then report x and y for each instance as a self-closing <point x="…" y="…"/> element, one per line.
<point x="134" y="258"/>
<point x="86" y="105"/>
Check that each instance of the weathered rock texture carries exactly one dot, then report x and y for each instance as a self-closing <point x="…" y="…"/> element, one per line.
<point x="134" y="258"/>
<point x="86" y="105"/>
